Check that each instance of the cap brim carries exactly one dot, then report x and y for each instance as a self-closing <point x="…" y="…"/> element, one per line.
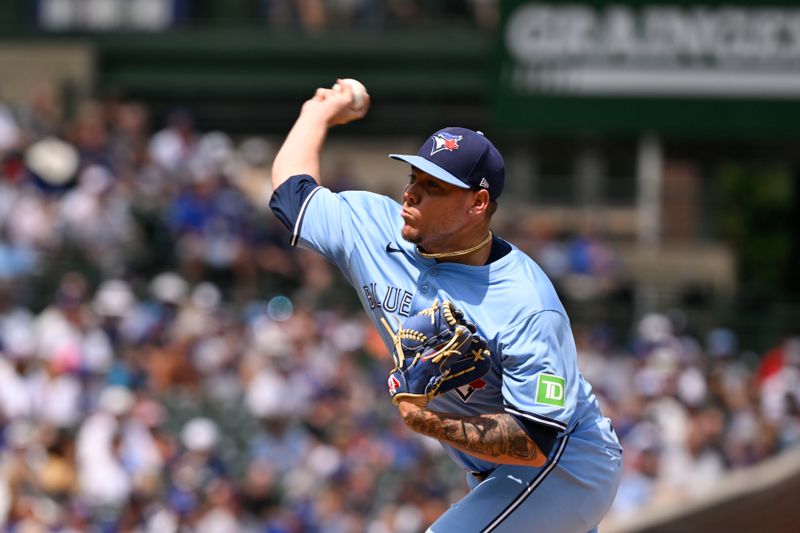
<point x="430" y="168"/>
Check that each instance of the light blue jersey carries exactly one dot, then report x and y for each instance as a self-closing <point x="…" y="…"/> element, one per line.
<point x="534" y="375"/>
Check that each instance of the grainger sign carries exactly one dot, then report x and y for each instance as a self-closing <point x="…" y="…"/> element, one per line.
<point x="704" y="62"/>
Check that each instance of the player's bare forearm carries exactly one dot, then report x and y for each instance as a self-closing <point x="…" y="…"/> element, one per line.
<point x="493" y="437"/>
<point x="300" y="152"/>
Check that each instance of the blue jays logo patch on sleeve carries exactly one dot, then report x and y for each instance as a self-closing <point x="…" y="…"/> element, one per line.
<point x="466" y="391"/>
<point x="445" y="141"/>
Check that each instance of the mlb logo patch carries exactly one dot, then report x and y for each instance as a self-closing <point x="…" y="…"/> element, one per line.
<point x="445" y="141"/>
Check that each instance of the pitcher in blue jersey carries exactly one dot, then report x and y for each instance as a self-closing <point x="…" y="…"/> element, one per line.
<point x="538" y="454"/>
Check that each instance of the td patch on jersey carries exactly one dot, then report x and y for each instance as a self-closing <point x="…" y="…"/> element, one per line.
<point x="550" y="390"/>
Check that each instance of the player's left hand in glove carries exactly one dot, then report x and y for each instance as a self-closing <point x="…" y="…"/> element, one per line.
<point x="436" y="351"/>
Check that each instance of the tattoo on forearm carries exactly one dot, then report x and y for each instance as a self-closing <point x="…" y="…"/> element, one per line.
<point x="494" y="435"/>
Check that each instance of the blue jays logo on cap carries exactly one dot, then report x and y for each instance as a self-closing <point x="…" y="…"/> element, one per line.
<point x="445" y="141"/>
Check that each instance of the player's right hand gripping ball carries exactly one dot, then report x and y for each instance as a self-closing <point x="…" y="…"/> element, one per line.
<point x="436" y="351"/>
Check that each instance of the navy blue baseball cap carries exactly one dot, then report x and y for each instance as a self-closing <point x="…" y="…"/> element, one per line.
<point x="460" y="157"/>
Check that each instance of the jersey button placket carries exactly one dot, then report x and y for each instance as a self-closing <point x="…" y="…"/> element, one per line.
<point x="425" y="284"/>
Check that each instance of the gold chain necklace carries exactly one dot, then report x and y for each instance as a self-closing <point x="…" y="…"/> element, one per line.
<point x="439" y="255"/>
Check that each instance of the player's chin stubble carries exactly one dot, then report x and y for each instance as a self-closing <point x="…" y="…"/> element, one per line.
<point x="410" y="235"/>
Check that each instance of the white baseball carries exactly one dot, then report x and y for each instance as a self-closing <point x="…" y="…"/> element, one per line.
<point x="359" y="92"/>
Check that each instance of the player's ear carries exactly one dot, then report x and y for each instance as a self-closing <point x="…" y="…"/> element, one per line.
<point x="480" y="202"/>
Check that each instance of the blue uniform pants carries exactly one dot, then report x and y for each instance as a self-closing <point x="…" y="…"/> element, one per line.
<point x="569" y="494"/>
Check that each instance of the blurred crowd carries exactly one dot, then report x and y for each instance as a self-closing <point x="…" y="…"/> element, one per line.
<point x="317" y="15"/>
<point x="168" y="364"/>
<point x="687" y="409"/>
<point x="305" y="16"/>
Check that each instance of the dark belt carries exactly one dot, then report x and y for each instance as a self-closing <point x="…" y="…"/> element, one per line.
<point x="481" y="476"/>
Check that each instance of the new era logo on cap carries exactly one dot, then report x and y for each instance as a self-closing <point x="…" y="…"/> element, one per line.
<point x="460" y="157"/>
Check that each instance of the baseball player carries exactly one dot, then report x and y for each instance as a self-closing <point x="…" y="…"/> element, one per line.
<point x="527" y="428"/>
